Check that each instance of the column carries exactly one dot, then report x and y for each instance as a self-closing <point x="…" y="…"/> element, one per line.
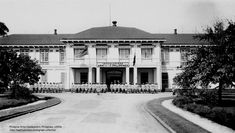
<point x="159" y="78"/>
<point x="155" y="75"/>
<point x="67" y="83"/>
<point x="97" y="74"/>
<point x="135" y="75"/>
<point x="159" y="66"/>
<point x="90" y="75"/>
<point x="71" y="73"/>
<point x="127" y="75"/>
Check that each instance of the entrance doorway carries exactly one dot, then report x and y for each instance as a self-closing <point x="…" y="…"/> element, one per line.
<point x="114" y="77"/>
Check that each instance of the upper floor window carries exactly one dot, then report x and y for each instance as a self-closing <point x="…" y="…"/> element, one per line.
<point x="62" y="56"/>
<point x="101" y="53"/>
<point x="124" y="53"/>
<point x="24" y="51"/>
<point x="184" y="56"/>
<point x="80" y="52"/>
<point x="146" y="53"/>
<point x="44" y="56"/>
<point x="165" y="56"/>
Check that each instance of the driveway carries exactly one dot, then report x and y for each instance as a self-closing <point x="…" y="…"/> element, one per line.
<point x="90" y="113"/>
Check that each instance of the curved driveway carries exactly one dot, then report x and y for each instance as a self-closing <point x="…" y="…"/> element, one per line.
<point x="90" y="113"/>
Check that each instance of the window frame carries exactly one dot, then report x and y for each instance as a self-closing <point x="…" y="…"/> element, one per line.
<point x="146" y="56"/>
<point x="62" y="56"/>
<point x="44" y="56"/>
<point x="102" y="56"/>
<point x="124" y="56"/>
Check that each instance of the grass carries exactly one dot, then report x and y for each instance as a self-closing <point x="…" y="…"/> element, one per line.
<point x="14" y="112"/>
<point x="6" y="102"/>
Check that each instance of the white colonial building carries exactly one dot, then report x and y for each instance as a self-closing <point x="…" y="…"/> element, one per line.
<point x="106" y="54"/>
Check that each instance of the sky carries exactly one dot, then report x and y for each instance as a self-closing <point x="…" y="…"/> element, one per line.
<point x="73" y="16"/>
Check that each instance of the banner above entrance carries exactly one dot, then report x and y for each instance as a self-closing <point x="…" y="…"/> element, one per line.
<point x="112" y="64"/>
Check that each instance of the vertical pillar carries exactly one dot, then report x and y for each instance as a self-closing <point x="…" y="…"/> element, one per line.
<point x="159" y="78"/>
<point x="155" y="75"/>
<point x="90" y="75"/>
<point x="127" y="75"/>
<point x="71" y="73"/>
<point x="135" y="75"/>
<point x="67" y="83"/>
<point x="159" y="66"/>
<point x="97" y="74"/>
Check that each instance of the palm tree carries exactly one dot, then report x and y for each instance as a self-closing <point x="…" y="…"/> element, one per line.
<point x="3" y="29"/>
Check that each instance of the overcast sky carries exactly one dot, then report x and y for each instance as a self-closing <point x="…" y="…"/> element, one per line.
<point x="73" y="16"/>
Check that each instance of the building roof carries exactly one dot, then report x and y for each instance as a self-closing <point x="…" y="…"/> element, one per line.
<point x="179" y="38"/>
<point x="114" y="33"/>
<point x="32" y="39"/>
<point x="98" y="33"/>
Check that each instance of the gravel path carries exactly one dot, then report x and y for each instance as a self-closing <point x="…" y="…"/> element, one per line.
<point x="90" y="113"/>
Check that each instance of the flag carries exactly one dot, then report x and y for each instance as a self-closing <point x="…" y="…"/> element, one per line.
<point x="83" y="52"/>
<point x="134" y="60"/>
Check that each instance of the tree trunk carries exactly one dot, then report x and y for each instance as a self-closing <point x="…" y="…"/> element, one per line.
<point x="220" y="91"/>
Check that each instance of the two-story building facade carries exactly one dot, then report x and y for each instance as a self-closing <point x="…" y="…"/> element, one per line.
<point x="110" y="54"/>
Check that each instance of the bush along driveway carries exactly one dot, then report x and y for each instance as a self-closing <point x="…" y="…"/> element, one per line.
<point x="173" y="120"/>
<point x="18" y="111"/>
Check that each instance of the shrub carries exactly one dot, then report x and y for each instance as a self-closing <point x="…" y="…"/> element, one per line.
<point x="180" y="101"/>
<point x="217" y="114"/>
<point x="202" y="110"/>
<point x="208" y="97"/>
<point x="190" y="107"/>
<point x="20" y="92"/>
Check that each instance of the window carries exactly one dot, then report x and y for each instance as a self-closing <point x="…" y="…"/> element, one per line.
<point x="80" y="52"/>
<point x="44" y="77"/>
<point x="62" y="56"/>
<point x="124" y="53"/>
<point x="84" y="77"/>
<point x="165" y="56"/>
<point x="44" y="56"/>
<point x="146" y="53"/>
<point x="101" y="53"/>
<point x="184" y="56"/>
<point x="77" y="53"/>
<point x="24" y="51"/>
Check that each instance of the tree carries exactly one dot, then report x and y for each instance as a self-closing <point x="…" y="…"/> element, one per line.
<point x="17" y="69"/>
<point x="3" y="29"/>
<point x="213" y="62"/>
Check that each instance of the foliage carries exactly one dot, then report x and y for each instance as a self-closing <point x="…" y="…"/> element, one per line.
<point x="182" y="100"/>
<point x="3" y="29"/>
<point x="8" y="102"/>
<point x="199" y="96"/>
<point x="212" y="63"/>
<point x="208" y="97"/>
<point x="17" y="69"/>
<point x="214" y="113"/>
